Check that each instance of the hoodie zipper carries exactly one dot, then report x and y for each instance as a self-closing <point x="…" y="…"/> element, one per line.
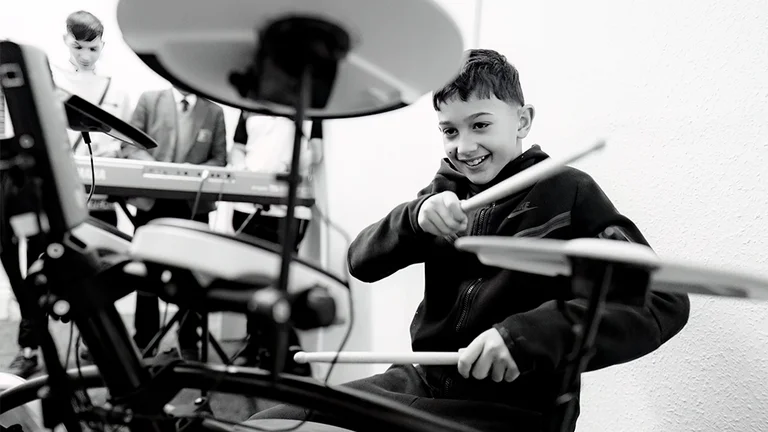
<point x="465" y="302"/>
<point x="466" y="298"/>
<point x="447" y="384"/>
<point x="483" y="219"/>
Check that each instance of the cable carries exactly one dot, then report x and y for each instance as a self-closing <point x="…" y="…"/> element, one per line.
<point x="203" y="178"/>
<point x="216" y="205"/>
<point x="69" y="345"/>
<point x="165" y="317"/>
<point x="87" y="140"/>
<point x="247" y="220"/>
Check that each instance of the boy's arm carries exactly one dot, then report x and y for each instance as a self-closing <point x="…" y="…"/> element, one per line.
<point x="218" y="154"/>
<point x="391" y="244"/>
<point x="139" y="121"/>
<point x="541" y="339"/>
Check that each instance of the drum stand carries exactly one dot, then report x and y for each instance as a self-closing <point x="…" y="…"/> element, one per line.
<point x="593" y="279"/>
<point x="295" y="64"/>
<point x="205" y="337"/>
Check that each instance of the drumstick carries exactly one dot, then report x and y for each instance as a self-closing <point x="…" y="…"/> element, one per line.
<point x="424" y="358"/>
<point x="544" y="169"/>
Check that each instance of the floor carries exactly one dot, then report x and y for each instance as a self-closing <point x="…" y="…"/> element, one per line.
<point x="226" y="406"/>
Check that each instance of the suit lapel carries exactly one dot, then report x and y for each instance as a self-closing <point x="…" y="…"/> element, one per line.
<point x="167" y="110"/>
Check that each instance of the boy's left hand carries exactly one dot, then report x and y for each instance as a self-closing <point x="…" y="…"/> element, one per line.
<point x="488" y="354"/>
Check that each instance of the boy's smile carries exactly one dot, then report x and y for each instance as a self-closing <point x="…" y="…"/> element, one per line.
<point x="481" y="136"/>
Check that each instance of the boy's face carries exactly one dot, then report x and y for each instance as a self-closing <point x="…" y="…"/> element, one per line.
<point x="481" y="136"/>
<point x="84" y="54"/>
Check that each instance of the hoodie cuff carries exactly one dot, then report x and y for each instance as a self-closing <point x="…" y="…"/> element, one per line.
<point x="524" y="363"/>
<point x="413" y="214"/>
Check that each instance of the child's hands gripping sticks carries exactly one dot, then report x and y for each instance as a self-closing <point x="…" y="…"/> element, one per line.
<point x="441" y="215"/>
<point x="488" y="355"/>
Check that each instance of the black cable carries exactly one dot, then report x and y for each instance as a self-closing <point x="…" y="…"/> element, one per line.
<point x="87" y="140"/>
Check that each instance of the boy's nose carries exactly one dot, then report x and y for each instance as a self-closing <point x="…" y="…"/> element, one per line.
<point x="466" y="146"/>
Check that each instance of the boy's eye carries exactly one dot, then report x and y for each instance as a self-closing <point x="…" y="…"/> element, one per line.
<point x="449" y="131"/>
<point x="480" y="125"/>
<point x="93" y="49"/>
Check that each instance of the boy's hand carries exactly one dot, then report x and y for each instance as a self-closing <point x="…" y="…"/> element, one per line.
<point x="488" y="354"/>
<point x="441" y="215"/>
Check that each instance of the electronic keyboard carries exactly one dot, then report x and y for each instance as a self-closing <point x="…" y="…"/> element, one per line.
<point x="135" y="178"/>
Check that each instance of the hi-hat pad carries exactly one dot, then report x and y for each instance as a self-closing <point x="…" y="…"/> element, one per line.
<point x="390" y="53"/>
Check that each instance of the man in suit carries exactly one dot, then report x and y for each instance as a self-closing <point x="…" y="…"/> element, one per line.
<point x="187" y="129"/>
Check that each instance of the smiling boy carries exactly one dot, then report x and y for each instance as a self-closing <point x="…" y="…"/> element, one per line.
<point x="512" y="339"/>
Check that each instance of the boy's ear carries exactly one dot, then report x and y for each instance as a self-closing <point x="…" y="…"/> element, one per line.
<point x="527" y="113"/>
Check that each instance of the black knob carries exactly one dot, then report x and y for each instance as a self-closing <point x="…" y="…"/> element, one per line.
<point x="313" y="308"/>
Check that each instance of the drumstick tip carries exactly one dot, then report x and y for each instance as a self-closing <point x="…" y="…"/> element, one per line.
<point x="300" y="357"/>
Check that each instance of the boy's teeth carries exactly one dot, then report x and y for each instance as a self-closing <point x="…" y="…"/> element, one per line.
<point x="475" y="161"/>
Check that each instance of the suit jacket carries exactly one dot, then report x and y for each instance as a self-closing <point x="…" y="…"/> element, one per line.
<point x="155" y="115"/>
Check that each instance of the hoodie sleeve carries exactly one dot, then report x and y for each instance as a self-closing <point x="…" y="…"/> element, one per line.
<point x="542" y="339"/>
<point x="391" y="244"/>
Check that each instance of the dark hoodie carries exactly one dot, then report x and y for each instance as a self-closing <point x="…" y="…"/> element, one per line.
<point x="463" y="298"/>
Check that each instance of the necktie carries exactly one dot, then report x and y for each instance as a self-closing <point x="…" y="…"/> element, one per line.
<point x="184" y="105"/>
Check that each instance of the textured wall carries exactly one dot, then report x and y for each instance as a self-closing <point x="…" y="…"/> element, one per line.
<point x="680" y="91"/>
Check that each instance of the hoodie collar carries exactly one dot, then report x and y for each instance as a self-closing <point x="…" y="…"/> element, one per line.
<point x="527" y="159"/>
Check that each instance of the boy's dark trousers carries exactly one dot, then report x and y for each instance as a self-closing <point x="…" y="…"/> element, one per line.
<point x="406" y="385"/>
<point x="28" y="334"/>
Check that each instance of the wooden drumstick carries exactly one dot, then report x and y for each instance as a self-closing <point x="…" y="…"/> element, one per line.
<point x="527" y="177"/>
<point x="423" y="358"/>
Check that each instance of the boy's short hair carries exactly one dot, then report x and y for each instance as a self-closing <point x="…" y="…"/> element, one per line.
<point x="84" y="26"/>
<point x="484" y="73"/>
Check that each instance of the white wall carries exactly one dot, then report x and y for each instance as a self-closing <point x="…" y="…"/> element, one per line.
<point x="680" y="91"/>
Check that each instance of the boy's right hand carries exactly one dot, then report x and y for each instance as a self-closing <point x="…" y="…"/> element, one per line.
<point x="441" y="215"/>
